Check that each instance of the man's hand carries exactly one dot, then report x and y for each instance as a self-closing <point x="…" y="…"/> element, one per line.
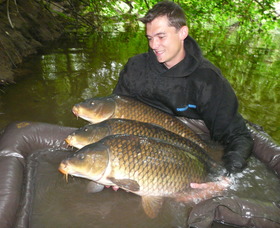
<point x="203" y="191"/>
<point x="234" y="162"/>
<point x="213" y="186"/>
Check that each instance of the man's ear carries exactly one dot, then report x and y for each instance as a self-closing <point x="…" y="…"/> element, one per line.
<point x="184" y="32"/>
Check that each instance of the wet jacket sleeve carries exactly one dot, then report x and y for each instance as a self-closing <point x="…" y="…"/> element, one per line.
<point x="219" y="110"/>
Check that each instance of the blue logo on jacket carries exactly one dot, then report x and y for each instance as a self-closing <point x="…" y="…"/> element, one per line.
<point x="186" y="108"/>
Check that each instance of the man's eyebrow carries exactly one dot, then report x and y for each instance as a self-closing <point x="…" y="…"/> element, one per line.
<point x="157" y="34"/>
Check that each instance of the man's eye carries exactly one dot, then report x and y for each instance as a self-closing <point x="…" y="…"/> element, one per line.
<point x="161" y="37"/>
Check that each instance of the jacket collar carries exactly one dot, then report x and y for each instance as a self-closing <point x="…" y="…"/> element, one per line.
<point x="184" y="68"/>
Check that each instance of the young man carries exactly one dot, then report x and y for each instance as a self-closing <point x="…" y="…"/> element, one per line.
<point x="174" y="77"/>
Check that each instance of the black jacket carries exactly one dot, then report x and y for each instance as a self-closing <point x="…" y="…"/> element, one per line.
<point x="193" y="88"/>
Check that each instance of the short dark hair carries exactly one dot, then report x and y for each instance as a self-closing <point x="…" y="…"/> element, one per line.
<point x="173" y="11"/>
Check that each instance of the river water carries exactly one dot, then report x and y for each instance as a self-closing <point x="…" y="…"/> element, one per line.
<point x="68" y="71"/>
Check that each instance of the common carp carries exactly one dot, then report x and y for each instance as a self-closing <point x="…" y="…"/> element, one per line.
<point x="94" y="132"/>
<point x="144" y="166"/>
<point x="96" y="110"/>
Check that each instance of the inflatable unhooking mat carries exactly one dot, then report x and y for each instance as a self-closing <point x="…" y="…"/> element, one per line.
<point x="33" y="193"/>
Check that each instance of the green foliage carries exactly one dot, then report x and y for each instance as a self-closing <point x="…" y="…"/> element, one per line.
<point x="104" y="15"/>
<point x="224" y="11"/>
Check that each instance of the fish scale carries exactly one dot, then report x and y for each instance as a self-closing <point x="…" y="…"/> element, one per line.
<point x="168" y="163"/>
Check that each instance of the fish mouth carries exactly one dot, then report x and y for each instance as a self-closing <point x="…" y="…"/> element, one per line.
<point x="73" y="143"/>
<point x="66" y="170"/>
<point x="63" y="168"/>
<point x="68" y="140"/>
<point x="75" y="110"/>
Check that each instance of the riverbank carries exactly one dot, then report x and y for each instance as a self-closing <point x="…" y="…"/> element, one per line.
<point x="25" y="26"/>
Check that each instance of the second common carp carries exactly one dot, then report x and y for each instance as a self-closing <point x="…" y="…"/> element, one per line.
<point x="94" y="132"/>
<point x="96" y="110"/>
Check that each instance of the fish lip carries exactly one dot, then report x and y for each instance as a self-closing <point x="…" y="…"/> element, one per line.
<point x="68" y="139"/>
<point x="75" y="110"/>
<point x="62" y="168"/>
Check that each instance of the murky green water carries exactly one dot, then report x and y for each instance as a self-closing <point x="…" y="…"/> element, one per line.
<point x="69" y="71"/>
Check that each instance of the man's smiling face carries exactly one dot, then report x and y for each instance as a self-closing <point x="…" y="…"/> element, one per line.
<point x="166" y="42"/>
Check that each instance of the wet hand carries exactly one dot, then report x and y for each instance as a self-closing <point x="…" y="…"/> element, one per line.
<point x="233" y="162"/>
<point x="212" y="186"/>
<point x="203" y="191"/>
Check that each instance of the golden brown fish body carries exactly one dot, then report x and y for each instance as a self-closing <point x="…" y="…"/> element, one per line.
<point x="96" y="110"/>
<point x="95" y="132"/>
<point x="147" y="167"/>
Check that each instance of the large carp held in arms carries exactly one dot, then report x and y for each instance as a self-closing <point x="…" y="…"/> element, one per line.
<point x="147" y="167"/>
<point x="96" y="110"/>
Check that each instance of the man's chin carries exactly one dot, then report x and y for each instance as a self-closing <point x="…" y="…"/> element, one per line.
<point x="160" y="60"/>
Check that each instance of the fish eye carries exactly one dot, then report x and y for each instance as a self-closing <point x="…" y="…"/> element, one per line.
<point x="81" y="156"/>
<point x="92" y="103"/>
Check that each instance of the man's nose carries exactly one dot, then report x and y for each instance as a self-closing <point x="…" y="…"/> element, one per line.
<point x="154" y="43"/>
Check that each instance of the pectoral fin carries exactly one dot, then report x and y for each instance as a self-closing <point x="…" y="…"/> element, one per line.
<point x="152" y="205"/>
<point x="94" y="187"/>
<point x="127" y="184"/>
